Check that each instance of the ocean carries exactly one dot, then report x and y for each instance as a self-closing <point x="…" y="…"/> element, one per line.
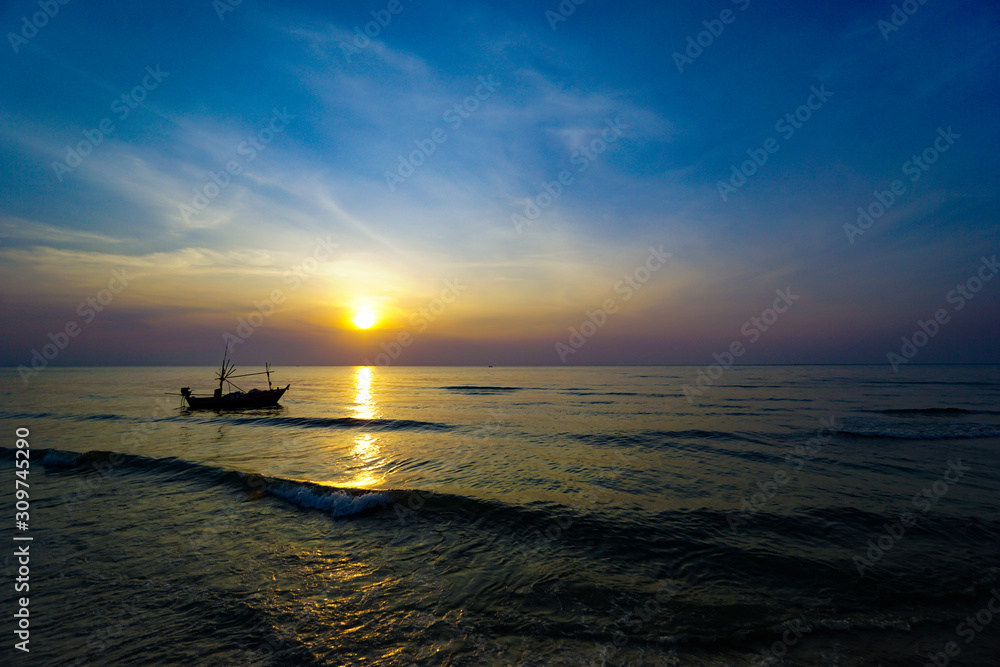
<point x="787" y="515"/>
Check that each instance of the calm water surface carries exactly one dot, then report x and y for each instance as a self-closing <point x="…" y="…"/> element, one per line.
<point x="512" y="516"/>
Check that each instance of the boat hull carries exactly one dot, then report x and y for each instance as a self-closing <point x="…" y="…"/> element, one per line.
<point x="237" y="401"/>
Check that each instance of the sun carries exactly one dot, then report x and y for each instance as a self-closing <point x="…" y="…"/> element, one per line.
<point x="364" y="319"/>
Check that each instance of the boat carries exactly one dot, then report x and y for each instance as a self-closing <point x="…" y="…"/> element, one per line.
<point x="239" y="399"/>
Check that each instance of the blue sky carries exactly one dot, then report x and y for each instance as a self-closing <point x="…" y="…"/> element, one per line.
<point x="331" y="116"/>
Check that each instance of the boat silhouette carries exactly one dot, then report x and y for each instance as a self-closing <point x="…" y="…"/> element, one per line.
<point x="235" y="400"/>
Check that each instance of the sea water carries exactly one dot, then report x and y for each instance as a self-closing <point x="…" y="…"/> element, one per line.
<point x="798" y="515"/>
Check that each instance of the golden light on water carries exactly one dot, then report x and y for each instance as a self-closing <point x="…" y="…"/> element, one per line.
<point x="366" y="449"/>
<point x="364" y="404"/>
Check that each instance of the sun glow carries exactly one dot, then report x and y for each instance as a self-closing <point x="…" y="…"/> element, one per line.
<point x="364" y="319"/>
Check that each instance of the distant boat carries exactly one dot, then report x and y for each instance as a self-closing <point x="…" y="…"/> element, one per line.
<point x="239" y="399"/>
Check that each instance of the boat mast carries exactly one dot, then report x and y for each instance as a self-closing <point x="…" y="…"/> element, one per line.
<point x="222" y="373"/>
<point x="226" y="371"/>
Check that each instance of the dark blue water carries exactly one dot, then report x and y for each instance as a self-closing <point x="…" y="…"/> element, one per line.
<point x="509" y="516"/>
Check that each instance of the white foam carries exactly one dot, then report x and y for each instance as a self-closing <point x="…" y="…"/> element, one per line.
<point x="337" y="503"/>
<point x="844" y="624"/>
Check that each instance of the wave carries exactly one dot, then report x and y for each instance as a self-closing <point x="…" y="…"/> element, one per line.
<point x="243" y="419"/>
<point x="584" y="392"/>
<point x="55" y="458"/>
<point x="339" y="502"/>
<point x="935" y="411"/>
<point x="810" y="551"/>
<point x="954" y="383"/>
<point x="27" y="415"/>
<point x="340" y="422"/>
<point x="664" y="438"/>
<point x="480" y="389"/>
<point x="914" y="430"/>
<point x="882" y="622"/>
<point x="314" y="496"/>
<point x="66" y="416"/>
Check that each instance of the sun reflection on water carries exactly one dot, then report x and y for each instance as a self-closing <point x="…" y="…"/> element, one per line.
<point x="366" y="449"/>
<point x="364" y="405"/>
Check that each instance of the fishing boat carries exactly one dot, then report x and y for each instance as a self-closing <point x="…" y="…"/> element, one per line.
<point x="238" y="399"/>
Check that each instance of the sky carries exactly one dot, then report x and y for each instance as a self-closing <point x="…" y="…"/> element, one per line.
<point x="402" y="182"/>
